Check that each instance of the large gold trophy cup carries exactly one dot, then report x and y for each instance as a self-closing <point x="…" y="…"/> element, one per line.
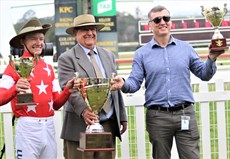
<point x="24" y="66"/>
<point x="215" y="16"/>
<point x="96" y="93"/>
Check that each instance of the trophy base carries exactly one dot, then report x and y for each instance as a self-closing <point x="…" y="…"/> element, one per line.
<point x="25" y="99"/>
<point x="96" y="142"/>
<point x="89" y="153"/>
<point x="95" y="128"/>
<point x="219" y="45"/>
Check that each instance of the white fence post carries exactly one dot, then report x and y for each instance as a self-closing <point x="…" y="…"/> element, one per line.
<point x="221" y="123"/>
<point x="8" y="131"/>
<point x="205" y="124"/>
<point x="58" y="120"/>
<point x="140" y="130"/>
<point x="125" y="144"/>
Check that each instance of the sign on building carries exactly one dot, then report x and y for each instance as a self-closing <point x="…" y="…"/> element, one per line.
<point x="105" y="12"/>
<point x="65" y="12"/>
<point x="104" y="7"/>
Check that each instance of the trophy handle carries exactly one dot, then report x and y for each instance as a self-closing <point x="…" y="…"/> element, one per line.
<point x="225" y="9"/>
<point x="10" y="60"/>
<point x="76" y="74"/>
<point x="82" y="89"/>
<point x="202" y="10"/>
<point x="113" y="74"/>
<point x="35" y="59"/>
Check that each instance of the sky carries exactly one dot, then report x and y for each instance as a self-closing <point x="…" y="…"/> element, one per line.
<point x="176" y="7"/>
<point x="12" y="10"/>
<point x="41" y="7"/>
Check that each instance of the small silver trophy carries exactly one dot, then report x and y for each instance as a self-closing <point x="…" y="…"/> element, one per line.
<point x="215" y="16"/>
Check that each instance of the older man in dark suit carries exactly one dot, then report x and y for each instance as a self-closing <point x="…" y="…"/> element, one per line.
<point x="77" y="59"/>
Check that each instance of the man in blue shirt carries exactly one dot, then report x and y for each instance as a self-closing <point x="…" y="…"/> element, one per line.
<point x="165" y="64"/>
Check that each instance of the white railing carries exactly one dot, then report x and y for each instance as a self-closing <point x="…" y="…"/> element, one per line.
<point x="203" y="98"/>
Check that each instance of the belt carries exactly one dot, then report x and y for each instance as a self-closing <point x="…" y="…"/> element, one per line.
<point x="36" y="119"/>
<point x="172" y="108"/>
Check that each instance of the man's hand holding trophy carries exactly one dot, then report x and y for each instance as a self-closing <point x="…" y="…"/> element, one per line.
<point x="215" y="16"/>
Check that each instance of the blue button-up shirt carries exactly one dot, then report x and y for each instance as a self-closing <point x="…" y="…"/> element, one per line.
<point x="166" y="71"/>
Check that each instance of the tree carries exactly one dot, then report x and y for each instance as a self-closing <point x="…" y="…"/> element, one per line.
<point x="127" y="27"/>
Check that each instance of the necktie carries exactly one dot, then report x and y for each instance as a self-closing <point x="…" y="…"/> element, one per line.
<point x="99" y="75"/>
<point x="95" y="65"/>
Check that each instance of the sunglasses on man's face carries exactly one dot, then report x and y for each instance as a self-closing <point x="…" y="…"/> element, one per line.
<point x="158" y="19"/>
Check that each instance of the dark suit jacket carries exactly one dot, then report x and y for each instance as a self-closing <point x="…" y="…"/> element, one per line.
<point x="75" y="60"/>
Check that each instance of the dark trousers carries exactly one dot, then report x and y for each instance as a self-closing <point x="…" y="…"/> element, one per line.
<point x="71" y="152"/>
<point x="162" y="126"/>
